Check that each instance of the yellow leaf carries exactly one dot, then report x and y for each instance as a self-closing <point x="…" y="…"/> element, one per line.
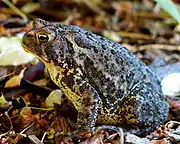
<point x="15" y="80"/>
<point x="3" y="102"/>
<point x="54" y="97"/>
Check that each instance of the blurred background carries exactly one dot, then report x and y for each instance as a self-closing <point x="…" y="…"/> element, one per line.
<point x="124" y="21"/>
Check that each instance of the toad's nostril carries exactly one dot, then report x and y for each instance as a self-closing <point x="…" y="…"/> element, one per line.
<point x="29" y="35"/>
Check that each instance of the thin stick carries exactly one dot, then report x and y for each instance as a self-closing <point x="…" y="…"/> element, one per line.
<point x="16" y="10"/>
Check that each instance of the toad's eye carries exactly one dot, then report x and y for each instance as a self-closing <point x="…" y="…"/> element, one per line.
<point x="43" y="38"/>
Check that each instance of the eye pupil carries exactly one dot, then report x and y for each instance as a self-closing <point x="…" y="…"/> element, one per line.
<point x="43" y="38"/>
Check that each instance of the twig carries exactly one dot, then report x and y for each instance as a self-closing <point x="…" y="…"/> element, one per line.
<point x="151" y="15"/>
<point x="159" y="46"/>
<point x="121" y="135"/>
<point x="134" y="35"/>
<point x="5" y="76"/>
<point x="43" y="109"/>
<point x="43" y="137"/>
<point x="168" y="47"/>
<point x="16" y="10"/>
<point x="92" y="6"/>
<point x="10" y="124"/>
<point x="34" y="139"/>
<point x="26" y="128"/>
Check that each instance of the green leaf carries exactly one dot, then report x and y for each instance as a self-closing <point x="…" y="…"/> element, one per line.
<point x="3" y="102"/>
<point x="54" y="97"/>
<point x="172" y="8"/>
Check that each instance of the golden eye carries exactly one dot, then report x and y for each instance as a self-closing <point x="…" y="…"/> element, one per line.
<point x="43" y="38"/>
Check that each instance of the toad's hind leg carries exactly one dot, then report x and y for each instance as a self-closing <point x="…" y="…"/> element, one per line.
<point x="143" y="114"/>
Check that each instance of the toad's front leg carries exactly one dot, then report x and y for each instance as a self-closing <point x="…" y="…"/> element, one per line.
<point x="86" y="105"/>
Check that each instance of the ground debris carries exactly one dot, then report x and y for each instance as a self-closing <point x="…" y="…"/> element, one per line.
<point x="142" y="26"/>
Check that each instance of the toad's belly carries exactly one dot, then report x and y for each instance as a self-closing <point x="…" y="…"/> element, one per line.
<point x="109" y="119"/>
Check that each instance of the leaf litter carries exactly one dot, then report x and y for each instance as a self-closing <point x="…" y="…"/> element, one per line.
<point x="142" y="26"/>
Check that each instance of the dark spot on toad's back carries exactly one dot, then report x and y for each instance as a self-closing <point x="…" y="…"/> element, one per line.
<point x="119" y="93"/>
<point x="95" y="49"/>
<point x="106" y="57"/>
<point x="104" y="47"/>
<point x="82" y="42"/>
<point x="113" y="52"/>
<point x="118" y="60"/>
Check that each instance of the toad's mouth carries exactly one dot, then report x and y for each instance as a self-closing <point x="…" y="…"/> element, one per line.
<point x="27" y="45"/>
<point x="34" y="51"/>
<point x="27" y="48"/>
